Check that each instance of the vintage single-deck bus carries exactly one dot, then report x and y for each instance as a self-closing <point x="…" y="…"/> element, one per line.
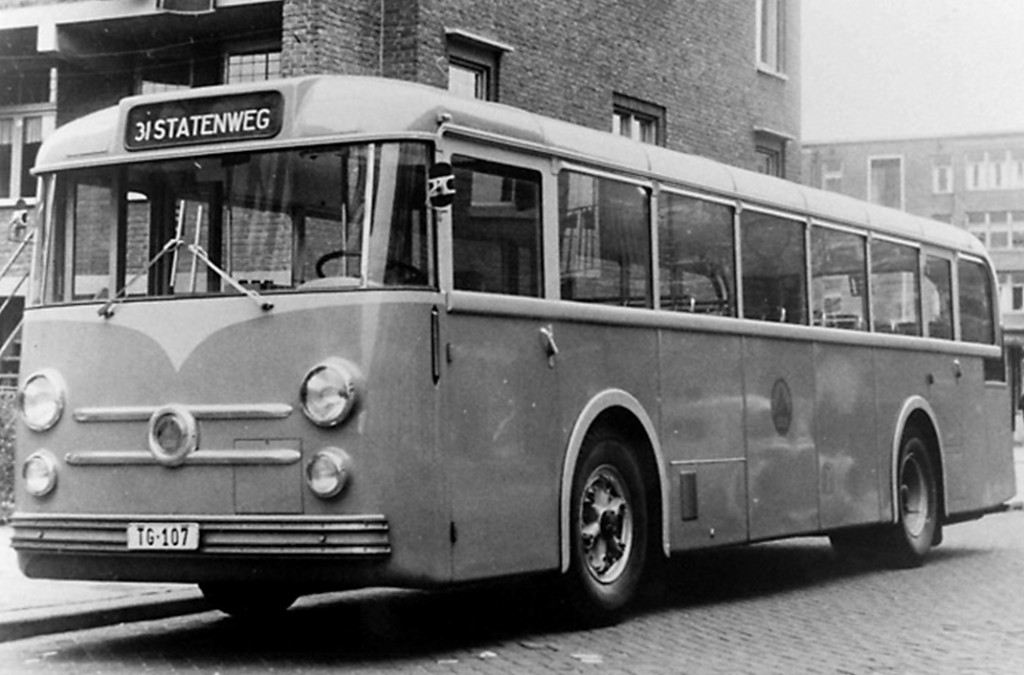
<point x="333" y="332"/>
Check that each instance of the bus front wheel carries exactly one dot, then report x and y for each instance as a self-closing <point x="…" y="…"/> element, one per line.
<point x="608" y="530"/>
<point x="247" y="600"/>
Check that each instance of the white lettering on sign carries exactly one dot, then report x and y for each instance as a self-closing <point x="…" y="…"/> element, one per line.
<point x="202" y="126"/>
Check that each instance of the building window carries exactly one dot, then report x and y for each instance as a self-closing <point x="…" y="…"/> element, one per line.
<point x="252" y="66"/>
<point x="885" y="181"/>
<point x="770" y="150"/>
<point x="771" y="35"/>
<point x="942" y="175"/>
<point x="473" y="65"/>
<point x="639" y="120"/>
<point x="997" y="230"/>
<point x="832" y="175"/>
<point x="27" y="116"/>
<point x="1011" y="291"/>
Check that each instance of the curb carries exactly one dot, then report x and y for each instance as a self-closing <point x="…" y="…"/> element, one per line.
<point x="38" y="622"/>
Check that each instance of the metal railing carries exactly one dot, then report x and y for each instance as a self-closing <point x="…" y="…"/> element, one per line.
<point x="19" y="231"/>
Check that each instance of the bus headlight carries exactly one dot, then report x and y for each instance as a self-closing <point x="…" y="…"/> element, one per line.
<point x="329" y="392"/>
<point x="327" y="473"/>
<point x="41" y="400"/>
<point x="40" y="473"/>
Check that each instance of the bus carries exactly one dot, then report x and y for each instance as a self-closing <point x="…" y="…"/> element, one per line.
<point x="333" y="332"/>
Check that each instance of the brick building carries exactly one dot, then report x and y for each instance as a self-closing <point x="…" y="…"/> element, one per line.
<point x="719" y="79"/>
<point x="975" y="181"/>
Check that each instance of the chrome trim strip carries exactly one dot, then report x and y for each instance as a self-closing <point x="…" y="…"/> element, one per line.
<point x="235" y="457"/>
<point x="229" y="411"/>
<point x="291" y="536"/>
<point x="697" y="462"/>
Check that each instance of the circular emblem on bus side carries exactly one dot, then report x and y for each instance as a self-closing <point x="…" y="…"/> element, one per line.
<point x="782" y="407"/>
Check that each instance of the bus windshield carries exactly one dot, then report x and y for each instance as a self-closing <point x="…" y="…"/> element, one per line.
<point x="325" y="217"/>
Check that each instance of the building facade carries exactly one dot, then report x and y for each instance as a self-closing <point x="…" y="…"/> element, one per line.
<point x="974" y="181"/>
<point x="718" y="79"/>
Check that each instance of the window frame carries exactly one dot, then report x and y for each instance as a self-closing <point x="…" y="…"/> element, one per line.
<point x="18" y="115"/>
<point x="637" y="112"/>
<point x="770" y="30"/>
<point x="902" y="179"/>
<point x="474" y="53"/>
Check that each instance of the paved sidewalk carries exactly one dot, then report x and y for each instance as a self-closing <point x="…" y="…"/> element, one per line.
<point x="31" y="607"/>
<point x="41" y="606"/>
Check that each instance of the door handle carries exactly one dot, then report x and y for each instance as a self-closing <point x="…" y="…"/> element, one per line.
<point x="547" y="334"/>
<point x="958" y="370"/>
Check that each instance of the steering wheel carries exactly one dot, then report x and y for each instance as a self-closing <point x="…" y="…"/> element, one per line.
<point x="332" y="255"/>
<point x="397" y="272"/>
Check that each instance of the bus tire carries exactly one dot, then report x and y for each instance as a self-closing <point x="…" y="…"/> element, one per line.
<point x="248" y="601"/>
<point x="908" y="541"/>
<point x="608" y="528"/>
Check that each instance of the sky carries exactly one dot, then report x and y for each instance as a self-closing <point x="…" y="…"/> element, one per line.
<point x="905" y="68"/>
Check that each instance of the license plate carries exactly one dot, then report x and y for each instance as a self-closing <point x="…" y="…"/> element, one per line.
<point x="163" y="536"/>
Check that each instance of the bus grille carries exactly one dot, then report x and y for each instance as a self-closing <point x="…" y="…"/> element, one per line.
<point x="292" y="536"/>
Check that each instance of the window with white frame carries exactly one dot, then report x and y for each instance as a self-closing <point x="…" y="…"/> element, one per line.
<point x="832" y="175"/>
<point x="640" y="120"/>
<point x="771" y="55"/>
<point x="942" y="175"/>
<point x="995" y="170"/>
<point x="885" y="181"/>
<point x="27" y="116"/>
<point x="997" y="230"/>
<point x="1011" y="291"/>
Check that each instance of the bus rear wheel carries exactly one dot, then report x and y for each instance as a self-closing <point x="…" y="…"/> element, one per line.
<point x="608" y="530"/>
<point x="248" y="600"/>
<point x="917" y="500"/>
<point x="906" y="542"/>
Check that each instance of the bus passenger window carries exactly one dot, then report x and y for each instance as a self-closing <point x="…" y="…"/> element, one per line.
<point x="496" y="228"/>
<point x="895" y="288"/>
<point x="774" y="268"/>
<point x="838" y="279"/>
<point x="604" y="240"/>
<point x="976" y="306"/>
<point x="696" y="260"/>
<point x="937" y="294"/>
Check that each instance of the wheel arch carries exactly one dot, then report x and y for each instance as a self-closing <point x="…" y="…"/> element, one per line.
<point x="624" y="413"/>
<point x="918" y="414"/>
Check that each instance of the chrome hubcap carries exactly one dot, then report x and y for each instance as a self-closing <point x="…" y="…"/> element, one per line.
<point x="913" y="497"/>
<point x="606" y="524"/>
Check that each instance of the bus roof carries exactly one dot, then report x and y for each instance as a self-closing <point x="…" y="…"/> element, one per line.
<point x="336" y="107"/>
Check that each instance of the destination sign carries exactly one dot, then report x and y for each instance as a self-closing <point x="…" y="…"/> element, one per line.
<point x="213" y="119"/>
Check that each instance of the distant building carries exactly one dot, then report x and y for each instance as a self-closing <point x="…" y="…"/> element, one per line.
<point x="974" y="181"/>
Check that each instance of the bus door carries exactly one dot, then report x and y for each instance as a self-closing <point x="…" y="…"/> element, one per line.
<point x="782" y="464"/>
<point x="500" y="432"/>
<point x="948" y="391"/>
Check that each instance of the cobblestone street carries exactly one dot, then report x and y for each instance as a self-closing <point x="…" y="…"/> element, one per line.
<point x="787" y="607"/>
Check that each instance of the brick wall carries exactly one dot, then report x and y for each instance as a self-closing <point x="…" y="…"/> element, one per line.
<point x="696" y="58"/>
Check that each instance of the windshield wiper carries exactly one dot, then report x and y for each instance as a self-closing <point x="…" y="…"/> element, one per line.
<point x="173" y="244"/>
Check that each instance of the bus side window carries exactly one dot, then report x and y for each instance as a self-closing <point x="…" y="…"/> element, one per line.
<point x="605" y="241"/>
<point x="838" y="279"/>
<point x="937" y="294"/>
<point x="976" y="306"/>
<point x="696" y="260"/>
<point x="496" y="228"/>
<point x="774" y="268"/>
<point x="895" y="288"/>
